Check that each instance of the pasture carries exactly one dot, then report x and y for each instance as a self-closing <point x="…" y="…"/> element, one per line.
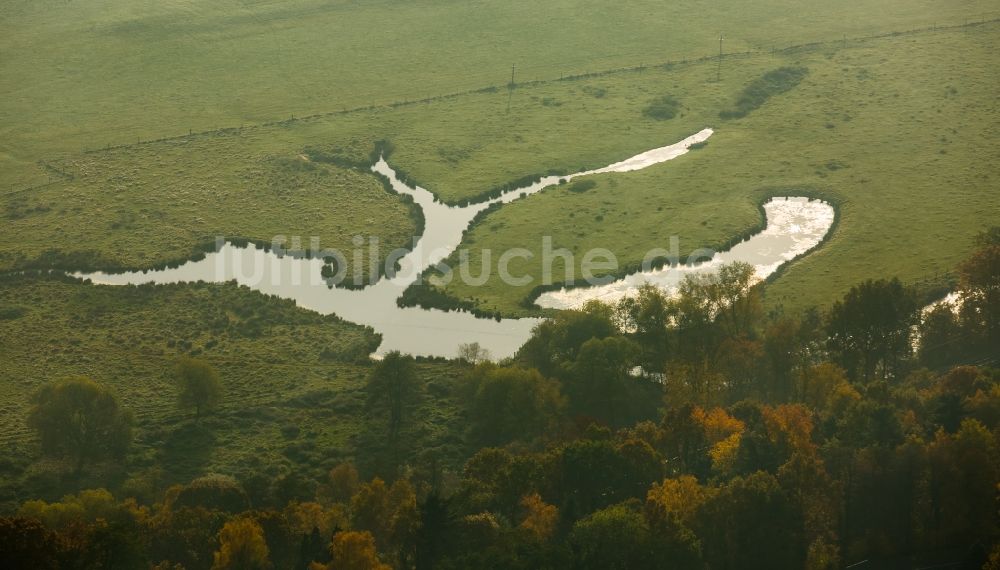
<point x="133" y="133"/>
<point x="83" y="75"/>
<point x="293" y="381"/>
<point x="889" y="128"/>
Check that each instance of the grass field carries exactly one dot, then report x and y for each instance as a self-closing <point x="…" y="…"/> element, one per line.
<point x="293" y="380"/>
<point x="891" y="129"/>
<point x="77" y="75"/>
<point x="899" y="131"/>
<point x="145" y="205"/>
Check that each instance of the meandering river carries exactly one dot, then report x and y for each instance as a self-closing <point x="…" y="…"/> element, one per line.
<point x="793" y="226"/>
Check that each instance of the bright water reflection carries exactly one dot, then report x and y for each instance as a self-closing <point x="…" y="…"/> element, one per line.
<point x="793" y="227"/>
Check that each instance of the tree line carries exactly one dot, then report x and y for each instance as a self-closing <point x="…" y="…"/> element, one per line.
<point x="696" y="431"/>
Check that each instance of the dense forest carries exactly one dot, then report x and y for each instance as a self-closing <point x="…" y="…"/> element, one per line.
<point x="693" y="431"/>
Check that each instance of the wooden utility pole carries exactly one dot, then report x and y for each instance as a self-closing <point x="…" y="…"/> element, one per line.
<point x="510" y="88"/>
<point x="718" y="71"/>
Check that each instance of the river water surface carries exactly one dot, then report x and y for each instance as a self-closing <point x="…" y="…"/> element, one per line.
<point x="793" y="227"/>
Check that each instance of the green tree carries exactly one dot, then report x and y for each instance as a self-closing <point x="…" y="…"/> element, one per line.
<point x="751" y="523"/>
<point x="473" y="353"/>
<point x="393" y="384"/>
<point x="198" y="385"/>
<point x="714" y="307"/>
<point x="212" y="491"/>
<point x="683" y="440"/>
<point x="619" y="538"/>
<point x="942" y="341"/>
<point x="596" y="473"/>
<point x="869" y="330"/>
<point x="738" y="299"/>
<point x="80" y="419"/>
<point x="784" y="352"/>
<point x="964" y="475"/>
<point x="598" y="376"/>
<point x="698" y="335"/>
<point x="870" y="422"/>
<point x="741" y="361"/>
<point x="87" y="506"/>
<point x="496" y="480"/>
<point x="432" y="538"/>
<point x="647" y="317"/>
<point x="711" y="309"/>
<point x="825" y="388"/>
<point x="979" y="289"/>
<point x="104" y="544"/>
<point x="508" y="403"/>
<point x="555" y="342"/>
<point x="614" y="538"/>
<point x="816" y="495"/>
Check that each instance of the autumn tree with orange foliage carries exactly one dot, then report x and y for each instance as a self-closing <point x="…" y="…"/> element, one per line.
<point x="540" y="518"/>
<point x="241" y="547"/>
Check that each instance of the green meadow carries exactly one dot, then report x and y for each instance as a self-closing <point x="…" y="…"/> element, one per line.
<point x="134" y="133"/>
<point x="890" y="130"/>
<point x="146" y="205"/>
<point x="292" y="380"/>
<point x="78" y="75"/>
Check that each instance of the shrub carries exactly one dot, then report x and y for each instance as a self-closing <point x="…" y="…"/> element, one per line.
<point x="213" y="492"/>
<point x="79" y="419"/>
<point x="758" y="91"/>
<point x="582" y="186"/>
<point x="662" y="108"/>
